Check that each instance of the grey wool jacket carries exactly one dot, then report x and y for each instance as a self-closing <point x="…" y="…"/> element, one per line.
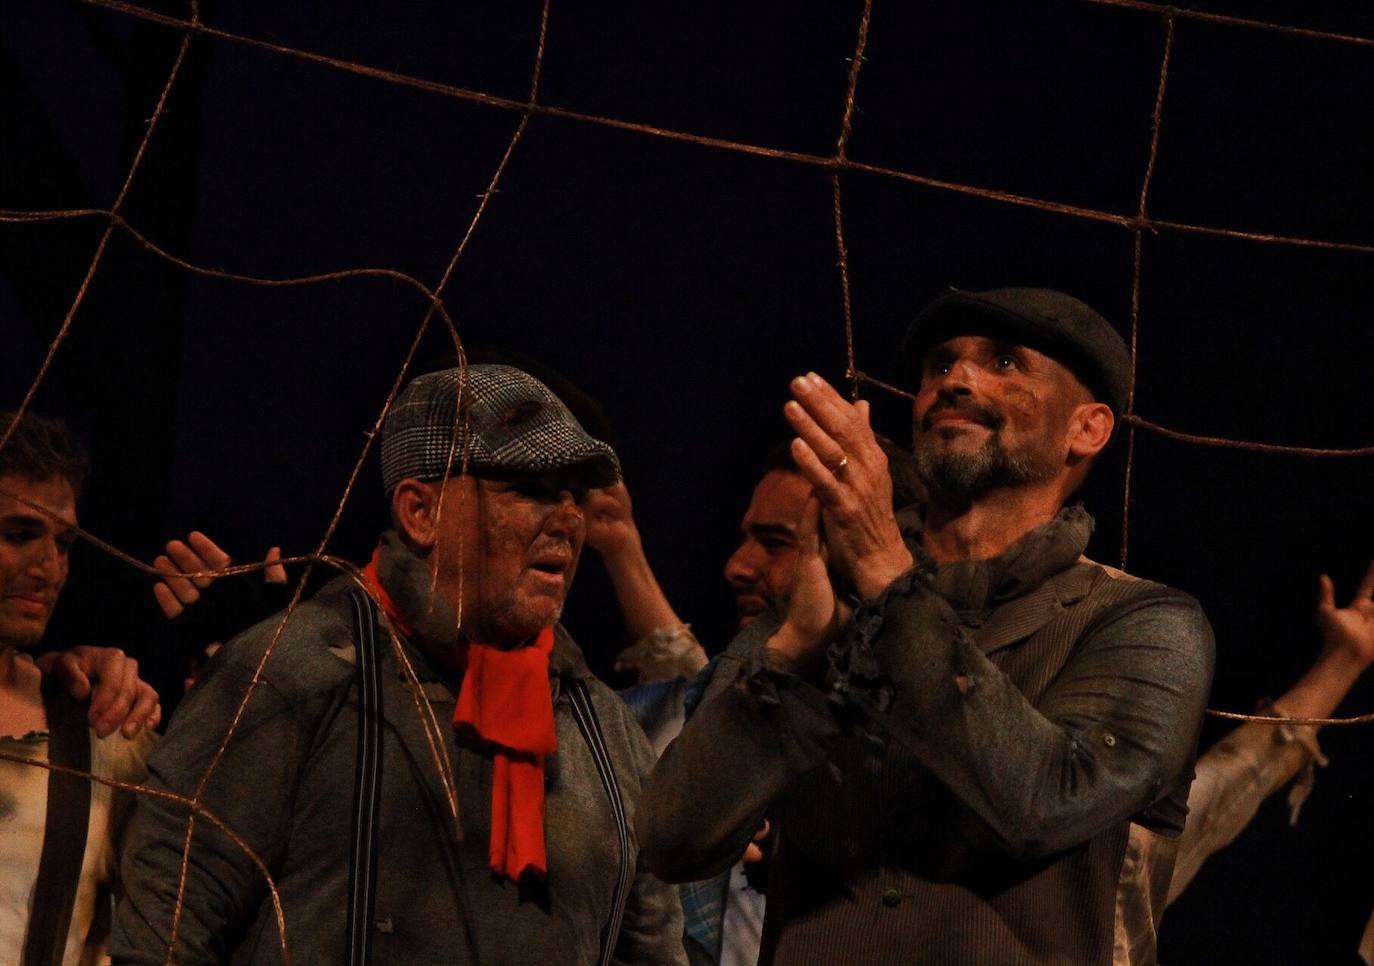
<point x="966" y="779"/>
<point x="285" y="785"/>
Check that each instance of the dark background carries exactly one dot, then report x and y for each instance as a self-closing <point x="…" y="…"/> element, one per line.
<point x="683" y="286"/>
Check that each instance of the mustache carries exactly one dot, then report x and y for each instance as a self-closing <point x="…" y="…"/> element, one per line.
<point x="979" y="413"/>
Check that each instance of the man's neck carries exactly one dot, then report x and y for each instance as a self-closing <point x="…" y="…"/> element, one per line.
<point x="986" y="527"/>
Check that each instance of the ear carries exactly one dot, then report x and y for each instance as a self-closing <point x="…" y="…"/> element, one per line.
<point x="412" y="514"/>
<point x="1090" y="429"/>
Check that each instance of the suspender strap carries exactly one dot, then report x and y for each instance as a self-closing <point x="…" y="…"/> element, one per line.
<point x="590" y="727"/>
<point x="64" y="830"/>
<point x="367" y="786"/>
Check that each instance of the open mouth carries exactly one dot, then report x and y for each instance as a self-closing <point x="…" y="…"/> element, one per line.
<point x="549" y="567"/>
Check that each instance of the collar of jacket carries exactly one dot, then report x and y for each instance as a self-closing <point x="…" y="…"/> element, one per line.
<point x="975" y="586"/>
<point x="435" y="623"/>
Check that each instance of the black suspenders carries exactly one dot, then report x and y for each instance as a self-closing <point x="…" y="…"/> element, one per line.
<point x="367" y="785"/>
<point x="590" y="727"/>
<point x="64" y="828"/>
<point x="362" y="863"/>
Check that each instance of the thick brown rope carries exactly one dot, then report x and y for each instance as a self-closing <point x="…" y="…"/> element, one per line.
<point x="104" y="242"/>
<point x="836" y="164"/>
<point x="1138" y="245"/>
<point x="1184" y="13"/>
<point x="841" y="146"/>
<point x="22" y="217"/>
<point x="829" y="162"/>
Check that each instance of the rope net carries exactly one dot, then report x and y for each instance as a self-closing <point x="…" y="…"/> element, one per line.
<point x="837" y="167"/>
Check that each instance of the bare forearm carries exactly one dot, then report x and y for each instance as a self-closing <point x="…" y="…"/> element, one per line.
<point x="1326" y="683"/>
<point x="642" y="601"/>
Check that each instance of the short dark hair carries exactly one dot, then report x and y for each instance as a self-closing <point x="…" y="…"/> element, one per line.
<point x="42" y="449"/>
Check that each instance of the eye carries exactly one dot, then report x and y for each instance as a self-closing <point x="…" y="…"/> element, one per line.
<point x="774" y="544"/>
<point x="20" y="535"/>
<point x="1004" y="361"/>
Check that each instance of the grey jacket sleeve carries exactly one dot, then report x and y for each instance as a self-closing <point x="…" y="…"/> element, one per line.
<point x="1117" y="725"/>
<point x="251" y="791"/>
<point x="753" y="731"/>
<point x="1110" y="735"/>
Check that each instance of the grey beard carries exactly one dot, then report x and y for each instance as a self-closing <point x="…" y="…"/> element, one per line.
<point x="967" y="476"/>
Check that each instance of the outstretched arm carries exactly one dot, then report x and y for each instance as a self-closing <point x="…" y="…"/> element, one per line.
<point x="1347" y="650"/>
<point x="1257" y="759"/>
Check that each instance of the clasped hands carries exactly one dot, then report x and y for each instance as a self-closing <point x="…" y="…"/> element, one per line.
<point x="837" y="452"/>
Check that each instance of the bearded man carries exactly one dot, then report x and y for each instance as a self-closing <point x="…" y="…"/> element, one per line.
<point x="987" y="758"/>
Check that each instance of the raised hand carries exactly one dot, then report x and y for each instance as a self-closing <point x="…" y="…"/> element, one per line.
<point x="609" y="520"/>
<point x="836" y="451"/>
<point x="814" y="612"/>
<point x="1348" y="631"/>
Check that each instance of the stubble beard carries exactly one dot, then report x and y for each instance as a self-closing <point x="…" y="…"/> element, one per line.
<point x="962" y="477"/>
<point x="512" y="621"/>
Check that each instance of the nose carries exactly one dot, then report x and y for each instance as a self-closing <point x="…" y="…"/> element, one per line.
<point x="742" y="567"/>
<point x="47" y="561"/>
<point x="958" y="381"/>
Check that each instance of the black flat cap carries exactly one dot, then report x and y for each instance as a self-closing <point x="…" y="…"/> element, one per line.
<point x="1051" y="322"/>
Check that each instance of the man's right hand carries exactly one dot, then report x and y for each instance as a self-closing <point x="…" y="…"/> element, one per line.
<point x="198" y="555"/>
<point x="814" y="613"/>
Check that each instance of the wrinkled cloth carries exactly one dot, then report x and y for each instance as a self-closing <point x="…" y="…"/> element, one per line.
<point x="286" y="785"/>
<point x="23" y="818"/>
<point x="959" y="780"/>
<point x="1234" y="776"/>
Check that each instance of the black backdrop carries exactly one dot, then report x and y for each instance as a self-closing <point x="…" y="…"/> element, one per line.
<point x="683" y="286"/>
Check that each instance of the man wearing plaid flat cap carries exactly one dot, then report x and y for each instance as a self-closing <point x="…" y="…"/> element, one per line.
<point x="983" y="757"/>
<point x="428" y="770"/>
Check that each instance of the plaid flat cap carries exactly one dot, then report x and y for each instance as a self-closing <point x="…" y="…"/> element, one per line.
<point x="517" y="426"/>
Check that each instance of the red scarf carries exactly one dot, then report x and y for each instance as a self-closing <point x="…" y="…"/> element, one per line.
<point x="504" y="704"/>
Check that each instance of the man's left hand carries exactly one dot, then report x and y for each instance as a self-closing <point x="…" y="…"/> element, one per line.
<point x="814" y="613"/>
<point x="109" y="679"/>
<point x="836" y="451"/>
